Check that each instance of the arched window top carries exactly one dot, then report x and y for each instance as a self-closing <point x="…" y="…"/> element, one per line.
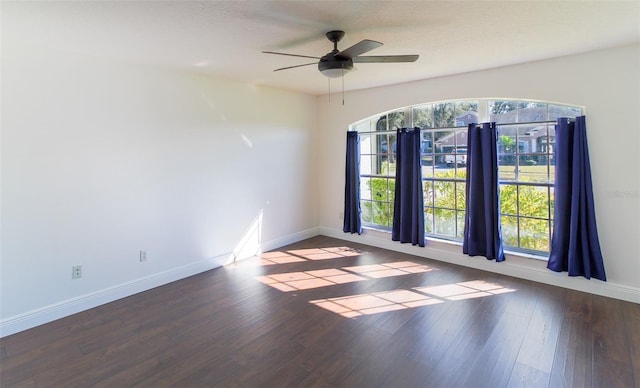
<point x="460" y="113"/>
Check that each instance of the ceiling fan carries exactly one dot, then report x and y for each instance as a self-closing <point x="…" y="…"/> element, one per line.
<point x="337" y="63"/>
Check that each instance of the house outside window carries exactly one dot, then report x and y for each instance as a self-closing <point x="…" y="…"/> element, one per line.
<point x="525" y="157"/>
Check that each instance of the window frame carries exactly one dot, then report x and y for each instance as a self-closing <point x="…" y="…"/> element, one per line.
<point x="507" y="113"/>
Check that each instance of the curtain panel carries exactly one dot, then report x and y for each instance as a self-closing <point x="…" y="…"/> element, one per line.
<point x="408" y="205"/>
<point x="575" y="247"/>
<point x="352" y="221"/>
<point x="482" y="230"/>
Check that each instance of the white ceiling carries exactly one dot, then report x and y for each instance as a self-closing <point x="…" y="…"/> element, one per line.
<point x="225" y="38"/>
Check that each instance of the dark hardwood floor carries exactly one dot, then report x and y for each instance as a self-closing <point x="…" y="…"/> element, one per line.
<point x="325" y="312"/>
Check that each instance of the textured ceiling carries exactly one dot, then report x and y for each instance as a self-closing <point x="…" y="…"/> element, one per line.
<point x="225" y="38"/>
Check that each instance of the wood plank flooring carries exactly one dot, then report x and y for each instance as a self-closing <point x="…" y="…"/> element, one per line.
<point x="325" y="312"/>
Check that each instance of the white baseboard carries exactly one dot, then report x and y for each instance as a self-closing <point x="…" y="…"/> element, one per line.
<point x="530" y="269"/>
<point x="68" y="307"/>
<point x="72" y="306"/>
<point x="290" y="239"/>
<point x="517" y="269"/>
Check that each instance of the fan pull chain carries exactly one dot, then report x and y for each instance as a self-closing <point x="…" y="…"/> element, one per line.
<point x="329" y="83"/>
<point x="343" y="87"/>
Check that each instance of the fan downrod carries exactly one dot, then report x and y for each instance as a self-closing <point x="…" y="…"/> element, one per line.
<point x="335" y="37"/>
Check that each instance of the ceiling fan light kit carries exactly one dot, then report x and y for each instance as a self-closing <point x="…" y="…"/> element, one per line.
<point x="334" y="70"/>
<point x="337" y="63"/>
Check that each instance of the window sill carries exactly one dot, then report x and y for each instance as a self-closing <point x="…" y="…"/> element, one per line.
<point x="448" y="244"/>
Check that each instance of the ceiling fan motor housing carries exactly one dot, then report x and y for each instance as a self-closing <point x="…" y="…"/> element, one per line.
<point x="330" y="64"/>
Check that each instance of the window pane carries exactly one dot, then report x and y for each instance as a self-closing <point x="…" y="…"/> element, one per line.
<point x="362" y="126"/>
<point x="426" y="150"/>
<point x="396" y="120"/>
<point x="381" y="215"/>
<point x="427" y="166"/>
<point x="427" y="142"/>
<point x="507" y="139"/>
<point x="507" y="148"/>
<point x="392" y="146"/>
<point x="461" y="138"/>
<point x="551" y="130"/>
<point x="445" y="141"/>
<point x="423" y="116"/>
<point x="445" y="221"/>
<point x="443" y="115"/>
<point x="428" y="220"/>
<point x="365" y="208"/>
<point x="534" y="201"/>
<point x="428" y="193"/>
<point x="444" y="194"/>
<point x="508" y="199"/>
<point x="379" y="143"/>
<point x="506" y="171"/>
<point x="556" y="111"/>
<point x="502" y="111"/>
<point x="380" y="165"/>
<point x="380" y="124"/>
<point x="379" y="189"/>
<point x="391" y="184"/>
<point x="365" y="188"/>
<point x="461" y="168"/>
<point x="466" y="112"/>
<point x="528" y="136"/>
<point x="534" y="234"/>
<point x="460" y="232"/>
<point x="366" y="164"/>
<point x="509" y="230"/>
<point x="460" y="195"/>
<point x="533" y="147"/>
<point x="540" y="151"/>
<point x="529" y="111"/>
<point x="388" y="166"/>
<point x="552" y="200"/>
<point x="530" y="171"/>
<point x="365" y="144"/>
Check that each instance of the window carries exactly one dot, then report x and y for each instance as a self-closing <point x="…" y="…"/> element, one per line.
<point x="378" y="167"/>
<point x="525" y="157"/>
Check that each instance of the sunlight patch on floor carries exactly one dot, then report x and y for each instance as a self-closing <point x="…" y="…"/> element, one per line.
<point x="298" y="255"/>
<point x="374" y="303"/>
<point x="389" y="269"/>
<point x="379" y="302"/>
<point x="292" y="281"/>
<point x="465" y="290"/>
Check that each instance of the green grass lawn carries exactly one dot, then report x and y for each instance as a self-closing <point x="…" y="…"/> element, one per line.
<point x="527" y="173"/>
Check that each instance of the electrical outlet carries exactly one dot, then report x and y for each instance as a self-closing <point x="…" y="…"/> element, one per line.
<point x="341" y="215"/>
<point x="143" y="256"/>
<point x="76" y="272"/>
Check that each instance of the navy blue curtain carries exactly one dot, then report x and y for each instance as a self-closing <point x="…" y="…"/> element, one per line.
<point x="408" y="204"/>
<point x="574" y="245"/>
<point x="482" y="233"/>
<point x="352" y="220"/>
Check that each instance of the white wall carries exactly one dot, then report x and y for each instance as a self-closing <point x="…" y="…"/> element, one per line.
<point x="102" y="159"/>
<point x="606" y="82"/>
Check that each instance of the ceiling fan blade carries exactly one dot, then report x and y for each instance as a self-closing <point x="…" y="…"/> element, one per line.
<point x="386" y="58"/>
<point x="292" y="67"/>
<point x="290" y="55"/>
<point x="359" y="48"/>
